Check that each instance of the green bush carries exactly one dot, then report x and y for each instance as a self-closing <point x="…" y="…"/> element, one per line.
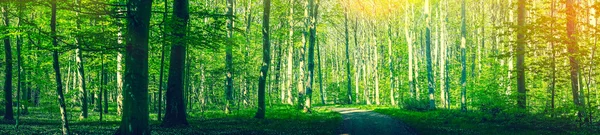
<point x="416" y="105"/>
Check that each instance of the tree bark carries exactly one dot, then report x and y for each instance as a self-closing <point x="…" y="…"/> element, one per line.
<point x="260" y="113"/>
<point x="347" y="39"/>
<point x="463" y="61"/>
<point x="162" y="61"/>
<point x="175" y="114"/>
<point x="229" y="57"/>
<point x="8" y="106"/>
<point x="135" y="104"/>
<point x="56" y="65"/>
<point x="573" y="50"/>
<point x="522" y="97"/>
<point x="431" y="81"/>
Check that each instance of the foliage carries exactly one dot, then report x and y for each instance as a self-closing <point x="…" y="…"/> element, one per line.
<point x="477" y="123"/>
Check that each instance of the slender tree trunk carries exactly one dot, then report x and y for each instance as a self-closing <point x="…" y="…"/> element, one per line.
<point x="81" y="71"/>
<point x="390" y="63"/>
<point x="101" y="96"/>
<point x="20" y="90"/>
<point x="135" y="104"/>
<point x="162" y="61"/>
<point x="356" y="61"/>
<point x="522" y="97"/>
<point x="104" y="83"/>
<point x="463" y="55"/>
<point x="411" y="84"/>
<point x="290" y="55"/>
<point x="311" y="55"/>
<point x="573" y="51"/>
<point x="349" y="75"/>
<point x="56" y="65"/>
<point x="323" y="94"/>
<point x="229" y="57"/>
<point x="442" y="59"/>
<point x="552" y="62"/>
<point x="431" y="82"/>
<point x="260" y="113"/>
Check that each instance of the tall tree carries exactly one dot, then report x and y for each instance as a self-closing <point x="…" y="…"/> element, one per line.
<point x="522" y="97"/>
<point x="8" y="106"/>
<point x="56" y="65"/>
<point x="463" y="59"/>
<point x="229" y="56"/>
<point x="431" y="82"/>
<point x="347" y="38"/>
<point x="135" y="104"/>
<point x="409" y="42"/>
<point x="80" y="68"/>
<point x="573" y="50"/>
<point x="162" y="60"/>
<point x="260" y="113"/>
<point x="175" y="114"/>
<point x="311" y="54"/>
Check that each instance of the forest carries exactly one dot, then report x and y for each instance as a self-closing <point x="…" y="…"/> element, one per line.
<point x="355" y="67"/>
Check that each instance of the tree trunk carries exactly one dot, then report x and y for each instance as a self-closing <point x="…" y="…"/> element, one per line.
<point x="229" y="57"/>
<point x="522" y="97"/>
<point x="290" y="56"/>
<point x="311" y="54"/>
<point x="135" y="104"/>
<point x="260" y="113"/>
<point x="463" y="61"/>
<point x="347" y="38"/>
<point x="104" y="83"/>
<point x="442" y="60"/>
<point x="162" y="61"/>
<point x="552" y="62"/>
<point x="101" y="96"/>
<point x="411" y="83"/>
<point x="56" y="65"/>
<point x="175" y="114"/>
<point x="431" y="82"/>
<point x="8" y="106"/>
<point x="573" y="51"/>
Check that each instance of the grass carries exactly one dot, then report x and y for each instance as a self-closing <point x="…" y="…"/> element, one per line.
<point x="474" y="123"/>
<point x="279" y="120"/>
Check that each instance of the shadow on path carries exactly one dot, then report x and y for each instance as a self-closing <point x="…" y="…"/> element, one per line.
<point x="364" y="122"/>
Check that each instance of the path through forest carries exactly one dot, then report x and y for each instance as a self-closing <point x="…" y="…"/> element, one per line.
<point x="365" y="122"/>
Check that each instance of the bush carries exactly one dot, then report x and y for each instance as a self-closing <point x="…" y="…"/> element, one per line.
<point x="416" y="105"/>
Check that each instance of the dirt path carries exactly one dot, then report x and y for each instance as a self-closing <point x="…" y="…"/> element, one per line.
<point x="364" y="122"/>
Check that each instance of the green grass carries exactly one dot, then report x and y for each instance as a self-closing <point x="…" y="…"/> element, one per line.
<point x="279" y="120"/>
<point x="474" y="123"/>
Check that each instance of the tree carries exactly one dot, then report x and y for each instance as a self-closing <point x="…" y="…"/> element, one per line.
<point x="349" y="75"/>
<point x="522" y="97"/>
<point x="229" y="57"/>
<point x="175" y="114"/>
<point x="56" y="65"/>
<point x="311" y="54"/>
<point x="135" y="104"/>
<point x="431" y="82"/>
<point x="573" y="50"/>
<point x="8" y="106"/>
<point x="81" y="70"/>
<point x="260" y="113"/>
<point x="162" y="61"/>
<point x="463" y="59"/>
<point x="409" y="42"/>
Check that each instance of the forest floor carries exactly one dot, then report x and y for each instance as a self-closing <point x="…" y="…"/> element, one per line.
<point x="365" y="122"/>
<point x="279" y="120"/>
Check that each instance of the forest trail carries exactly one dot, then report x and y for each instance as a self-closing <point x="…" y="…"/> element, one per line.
<point x="365" y="122"/>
